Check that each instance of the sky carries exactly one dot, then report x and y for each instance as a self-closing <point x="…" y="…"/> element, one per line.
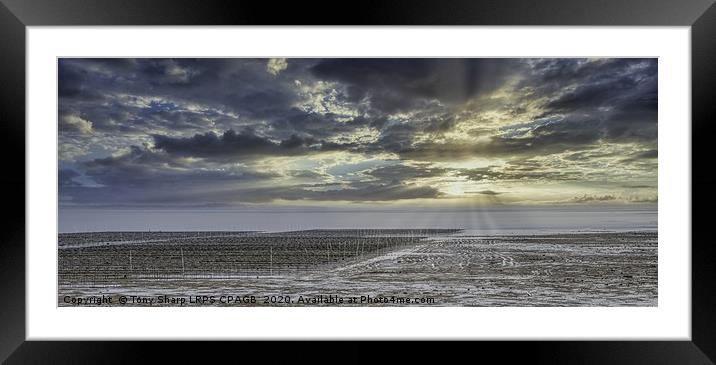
<point x="368" y="132"/>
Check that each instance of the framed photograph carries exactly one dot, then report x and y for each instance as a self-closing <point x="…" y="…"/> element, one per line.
<point x="403" y="171"/>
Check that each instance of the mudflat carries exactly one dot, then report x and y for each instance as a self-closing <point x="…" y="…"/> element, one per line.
<point x="369" y="267"/>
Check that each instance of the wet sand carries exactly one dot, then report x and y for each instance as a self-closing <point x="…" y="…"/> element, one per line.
<point x="314" y="268"/>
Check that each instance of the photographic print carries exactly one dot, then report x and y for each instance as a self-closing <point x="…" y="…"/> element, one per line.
<point x="366" y="182"/>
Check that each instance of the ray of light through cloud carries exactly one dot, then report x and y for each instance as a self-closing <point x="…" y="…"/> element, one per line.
<point x="360" y="133"/>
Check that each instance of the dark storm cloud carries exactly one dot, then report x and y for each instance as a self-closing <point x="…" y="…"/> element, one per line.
<point x="294" y="121"/>
<point x="406" y="172"/>
<point x="571" y="71"/>
<point x="66" y="178"/>
<point x="587" y="155"/>
<point x="139" y="96"/>
<point x="154" y="192"/>
<point x="486" y="192"/>
<point x="204" y="124"/>
<point x="516" y="173"/>
<point x="593" y="95"/>
<point x="70" y="81"/>
<point x="541" y="140"/>
<point x="399" y="137"/>
<point x="141" y="175"/>
<point x="639" y="186"/>
<point x="95" y="87"/>
<point x="620" y="93"/>
<point x="244" y="143"/>
<point x="209" y="144"/>
<point x="642" y="157"/>
<point x="613" y="101"/>
<point x="645" y="200"/>
<point x="627" y="87"/>
<point x="589" y="103"/>
<point x="363" y="192"/>
<point x="79" y="78"/>
<point x="650" y="154"/>
<point x="154" y="178"/>
<point x="372" y="192"/>
<point x="593" y="198"/>
<point x="142" y="168"/>
<point x="398" y="84"/>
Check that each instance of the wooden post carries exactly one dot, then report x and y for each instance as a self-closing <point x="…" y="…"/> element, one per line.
<point x="181" y="249"/>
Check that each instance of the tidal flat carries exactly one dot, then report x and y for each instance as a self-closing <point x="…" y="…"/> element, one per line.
<point x="358" y="267"/>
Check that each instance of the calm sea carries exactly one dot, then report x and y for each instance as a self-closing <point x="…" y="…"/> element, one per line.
<point x="482" y="221"/>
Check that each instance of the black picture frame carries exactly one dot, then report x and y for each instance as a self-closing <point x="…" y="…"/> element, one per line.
<point x="15" y="15"/>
